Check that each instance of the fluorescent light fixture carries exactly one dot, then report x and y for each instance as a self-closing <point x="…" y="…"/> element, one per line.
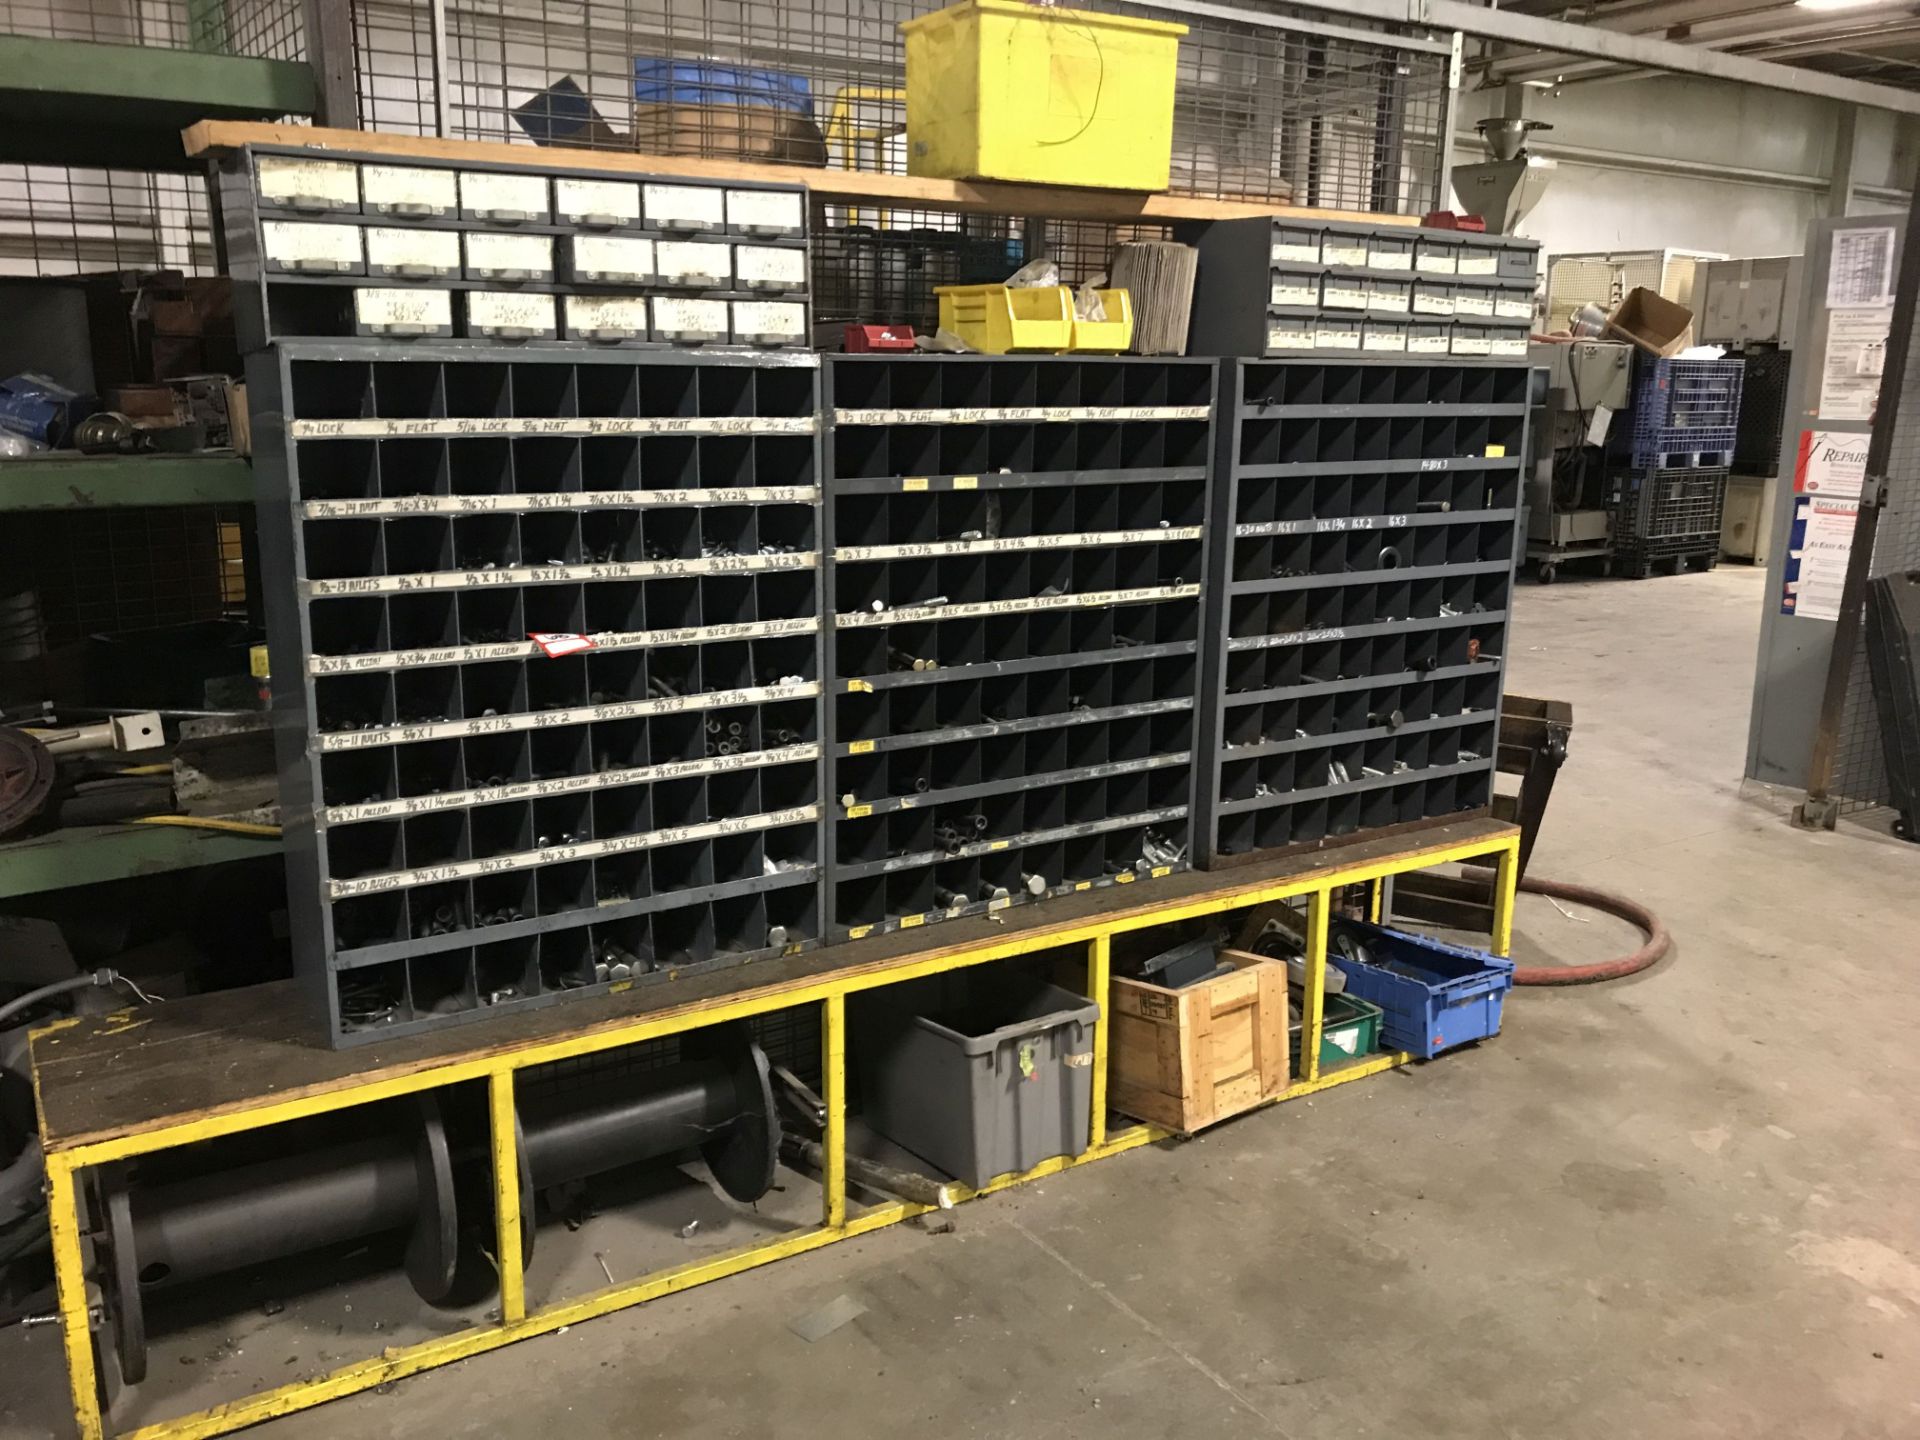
<point x="1540" y="84"/>
<point x="1836" y="4"/>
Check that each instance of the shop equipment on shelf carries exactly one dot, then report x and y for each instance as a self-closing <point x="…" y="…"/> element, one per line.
<point x="338" y="244"/>
<point x="546" y="636"/>
<point x="1360" y="574"/>
<point x="1014" y="577"/>
<point x="1280" y="286"/>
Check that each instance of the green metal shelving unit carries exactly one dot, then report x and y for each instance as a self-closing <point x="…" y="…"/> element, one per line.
<point x="98" y="854"/>
<point x="83" y="482"/>
<point x="122" y="107"/>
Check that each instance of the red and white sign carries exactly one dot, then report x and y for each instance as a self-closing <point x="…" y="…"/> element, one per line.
<point x="557" y="644"/>
<point x="1831" y="462"/>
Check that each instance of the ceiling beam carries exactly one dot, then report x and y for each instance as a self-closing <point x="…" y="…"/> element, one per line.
<point x="1638" y="51"/>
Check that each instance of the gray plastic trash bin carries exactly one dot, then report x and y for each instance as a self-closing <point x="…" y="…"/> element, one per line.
<point x="986" y="1075"/>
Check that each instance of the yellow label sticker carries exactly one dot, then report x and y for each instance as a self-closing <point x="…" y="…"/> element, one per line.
<point x="907" y="922"/>
<point x="859" y="687"/>
<point x="859" y="812"/>
<point x="860" y="747"/>
<point x="1002" y="903"/>
<point x="1083" y="884"/>
<point x="859" y="932"/>
<point x="620" y="987"/>
<point x="257" y="662"/>
<point x="918" y="482"/>
<point x="1496" y="452"/>
<point x="966" y="482"/>
<point x="997" y="845"/>
<point x="1125" y="877"/>
<point x="1162" y="870"/>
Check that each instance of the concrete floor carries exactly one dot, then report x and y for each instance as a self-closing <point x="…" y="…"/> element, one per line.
<point x="1677" y="1206"/>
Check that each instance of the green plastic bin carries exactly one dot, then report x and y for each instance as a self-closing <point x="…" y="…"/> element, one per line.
<point x="1349" y="1028"/>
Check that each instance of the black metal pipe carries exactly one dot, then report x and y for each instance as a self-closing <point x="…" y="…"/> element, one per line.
<point x="227" y="1219"/>
<point x="677" y="1107"/>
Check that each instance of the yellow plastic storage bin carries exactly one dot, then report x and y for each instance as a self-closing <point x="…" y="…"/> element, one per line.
<point x="1110" y="336"/>
<point x="1007" y="90"/>
<point x="998" y="321"/>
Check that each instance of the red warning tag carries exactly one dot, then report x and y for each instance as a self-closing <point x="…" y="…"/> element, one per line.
<point x="559" y="644"/>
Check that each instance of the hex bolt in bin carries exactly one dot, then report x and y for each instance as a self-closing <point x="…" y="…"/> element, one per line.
<point x="980" y="1074"/>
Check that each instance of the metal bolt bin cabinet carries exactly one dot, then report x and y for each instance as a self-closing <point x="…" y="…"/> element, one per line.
<point x="343" y="244"/>
<point x="547" y="658"/>
<point x="1014" y="576"/>
<point x="1360" y="572"/>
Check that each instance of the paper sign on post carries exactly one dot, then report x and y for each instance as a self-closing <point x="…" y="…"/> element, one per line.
<point x="1831" y="462"/>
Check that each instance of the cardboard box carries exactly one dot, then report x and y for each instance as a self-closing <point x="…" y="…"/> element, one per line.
<point x="751" y="132"/>
<point x="1651" y="322"/>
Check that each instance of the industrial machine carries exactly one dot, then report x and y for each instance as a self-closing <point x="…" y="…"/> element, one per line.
<point x="1502" y="188"/>
<point x="1568" y="511"/>
<point x="1752" y="306"/>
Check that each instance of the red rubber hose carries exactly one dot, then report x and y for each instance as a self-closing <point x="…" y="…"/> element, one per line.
<point x="1658" y="940"/>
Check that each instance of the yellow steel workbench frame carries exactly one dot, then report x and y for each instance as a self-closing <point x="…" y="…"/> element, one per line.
<point x="1318" y="878"/>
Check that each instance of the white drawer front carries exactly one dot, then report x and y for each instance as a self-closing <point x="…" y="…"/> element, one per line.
<point x="1290" y="335"/>
<point x="413" y="252"/>
<point x="309" y="184"/>
<point x="689" y="319"/>
<point x="768" y="322"/>
<point x="685" y="207"/>
<point x="404" y="312"/>
<point x="511" y="257"/>
<point x="612" y="259"/>
<point x="766" y="212"/>
<point x="608" y="317"/>
<point x="408" y="190"/>
<point x="504" y="197"/>
<point x="512" y="312"/>
<point x="596" y="202"/>
<point x="329" y="249"/>
<point x="1343" y="250"/>
<point x="767" y="267"/>
<point x="1294" y="290"/>
<point x="690" y="262"/>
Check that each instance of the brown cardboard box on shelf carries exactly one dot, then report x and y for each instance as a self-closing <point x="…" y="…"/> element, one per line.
<point x="748" y="132"/>
<point x="1651" y="322"/>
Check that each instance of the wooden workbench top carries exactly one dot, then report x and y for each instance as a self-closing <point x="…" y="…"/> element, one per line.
<point x="150" y="1068"/>
<point x="850" y="187"/>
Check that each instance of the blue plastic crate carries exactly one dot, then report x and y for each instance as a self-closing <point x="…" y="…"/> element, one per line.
<point x="701" y="82"/>
<point x="1434" y="996"/>
<point x="1684" y="413"/>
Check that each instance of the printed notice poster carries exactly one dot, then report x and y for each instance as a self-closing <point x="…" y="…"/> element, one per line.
<point x="1832" y="462"/>
<point x="1856" y="356"/>
<point x="1817" y="553"/>
<point x="1860" y="271"/>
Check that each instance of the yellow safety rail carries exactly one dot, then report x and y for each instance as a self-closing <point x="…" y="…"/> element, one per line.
<point x="1321" y="879"/>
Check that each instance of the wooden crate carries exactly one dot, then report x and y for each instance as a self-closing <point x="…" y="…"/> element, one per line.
<point x="1183" y="1059"/>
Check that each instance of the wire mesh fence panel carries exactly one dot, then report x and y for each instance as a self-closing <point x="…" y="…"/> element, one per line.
<point x="1276" y="108"/>
<point x="126" y="569"/>
<point x="268" y="29"/>
<point x="1281" y="109"/>
<point x="56" y="220"/>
